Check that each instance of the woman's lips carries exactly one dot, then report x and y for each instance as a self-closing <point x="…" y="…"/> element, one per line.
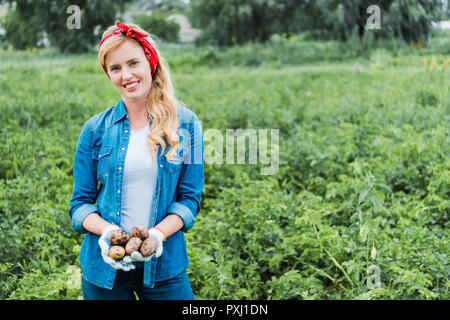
<point x="131" y="86"/>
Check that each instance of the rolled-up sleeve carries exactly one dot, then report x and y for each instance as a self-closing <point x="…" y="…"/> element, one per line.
<point x="83" y="201"/>
<point x="191" y="181"/>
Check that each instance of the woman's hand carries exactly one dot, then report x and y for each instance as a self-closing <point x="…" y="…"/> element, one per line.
<point x="160" y="237"/>
<point x="105" y="245"/>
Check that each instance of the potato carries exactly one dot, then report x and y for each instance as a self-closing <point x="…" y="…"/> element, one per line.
<point x="119" y="237"/>
<point x="133" y="245"/>
<point x="148" y="246"/>
<point x="139" y="232"/>
<point x="116" y="252"/>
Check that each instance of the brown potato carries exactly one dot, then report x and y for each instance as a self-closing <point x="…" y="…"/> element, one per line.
<point x="116" y="252"/>
<point x="139" y="232"/>
<point x="148" y="246"/>
<point x="119" y="237"/>
<point x="133" y="245"/>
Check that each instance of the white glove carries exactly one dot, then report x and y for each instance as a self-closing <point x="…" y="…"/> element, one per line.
<point x="160" y="237"/>
<point x="105" y="245"/>
<point x="137" y="256"/>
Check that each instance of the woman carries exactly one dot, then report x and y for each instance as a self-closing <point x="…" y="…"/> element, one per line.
<point x="137" y="163"/>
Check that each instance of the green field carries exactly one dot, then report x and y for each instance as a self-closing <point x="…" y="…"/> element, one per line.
<point x="359" y="206"/>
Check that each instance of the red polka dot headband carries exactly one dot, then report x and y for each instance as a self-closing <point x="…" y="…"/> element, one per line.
<point x="150" y="52"/>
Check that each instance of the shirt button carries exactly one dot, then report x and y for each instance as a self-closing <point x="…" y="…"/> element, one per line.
<point x="118" y="191"/>
<point x="160" y="165"/>
<point x="123" y="149"/>
<point x="117" y="212"/>
<point x="120" y="168"/>
<point x="126" y="131"/>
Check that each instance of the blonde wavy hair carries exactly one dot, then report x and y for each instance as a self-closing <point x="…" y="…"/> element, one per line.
<point x="161" y="101"/>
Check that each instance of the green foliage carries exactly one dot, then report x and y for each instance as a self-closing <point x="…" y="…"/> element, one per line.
<point x="39" y="243"/>
<point x="156" y="24"/>
<point x="50" y="16"/>
<point x="21" y="28"/>
<point x="363" y="165"/>
<point x="170" y="6"/>
<point x="58" y="285"/>
<point x="363" y="178"/>
<point x="409" y="20"/>
<point x="234" y="22"/>
<point x="238" y="22"/>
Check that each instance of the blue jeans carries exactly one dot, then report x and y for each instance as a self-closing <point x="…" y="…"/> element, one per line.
<point x="131" y="282"/>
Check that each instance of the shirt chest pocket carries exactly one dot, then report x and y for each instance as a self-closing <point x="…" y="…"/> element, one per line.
<point x="102" y="156"/>
<point x="174" y="166"/>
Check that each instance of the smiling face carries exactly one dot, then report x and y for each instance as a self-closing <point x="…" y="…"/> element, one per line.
<point x="130" y="71"/>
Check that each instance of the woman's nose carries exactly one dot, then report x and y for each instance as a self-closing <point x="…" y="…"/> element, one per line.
<point x="126" y="73"/>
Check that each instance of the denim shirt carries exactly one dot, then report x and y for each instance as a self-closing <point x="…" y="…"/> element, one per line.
<point x="98" y="172"/>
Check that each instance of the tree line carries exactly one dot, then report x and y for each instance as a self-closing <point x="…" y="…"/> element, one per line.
<point x="240" y="21"/>
<point x="223" y="22"/>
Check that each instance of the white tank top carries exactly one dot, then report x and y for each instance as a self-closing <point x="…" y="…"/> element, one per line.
<point x="139" y="180"/>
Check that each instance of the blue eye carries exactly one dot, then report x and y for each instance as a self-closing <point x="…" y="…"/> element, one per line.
<point x="134" y="62"/>
<point x="114" y="68"/>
